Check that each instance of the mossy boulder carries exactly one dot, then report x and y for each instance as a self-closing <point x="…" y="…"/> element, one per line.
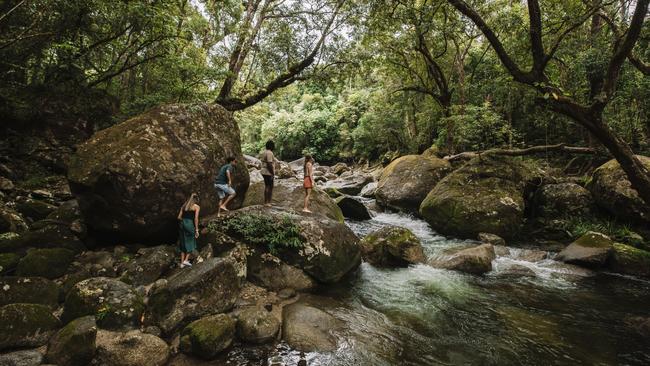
<point x="289" y="194"/>
<point x="590" y="250"/>
<point x="392" y="247"/>
<point x="255" y="325"/>
<point x="484" y="195"/>
<point x="562" y="200"/>
<point x="8" y="262"/>
<point x="31" y="290"/>
<point x="74" y="344"/>
<point x="629" y="260"/>
<point x="210" y="287"/>
<point x="406" y="181"/>
<point x="475" y="260"/>
<point x="131" y="178"/>
<point x="11" y="221"/>
<point x="325" y="249"/>
<point x="353" y="208"/>
<point x="613" y="191"/>
<point x="34" y="209"/>
<point x="49" y="263"/>
<point x="132" y="348"/>
<point x="50" y="236"/>
<point x="207" y="337"/>
<point x="115" y="304"/>
<point x="69" y="213"/>
<point x="26" y="325"/>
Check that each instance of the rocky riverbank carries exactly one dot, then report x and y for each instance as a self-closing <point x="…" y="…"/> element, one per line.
<point x="89" y="269"/>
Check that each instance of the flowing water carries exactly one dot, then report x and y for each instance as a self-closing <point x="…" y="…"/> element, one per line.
<point x="563" y="315"/>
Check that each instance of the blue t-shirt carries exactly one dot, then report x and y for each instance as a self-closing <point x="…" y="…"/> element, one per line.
<point x="222" y="177"/>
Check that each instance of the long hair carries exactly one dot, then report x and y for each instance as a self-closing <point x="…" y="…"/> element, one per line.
<point x="193" y="200"/>
<point x="308" y="159"/>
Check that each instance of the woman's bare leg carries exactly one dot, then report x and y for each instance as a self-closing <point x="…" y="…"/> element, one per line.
<point x="307" y="195"/>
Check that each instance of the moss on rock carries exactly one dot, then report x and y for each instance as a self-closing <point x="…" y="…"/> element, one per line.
<point x="32" y="290"/>
<point x="629" y="260"/>
<point x="26" y="325"/>
<point x="74" y="344"/>
<point x="392" y="247"/>
<point x="485" y="195"/>
<point x="49" y="263"/>
<point x="8" y="262"/>
<point x="207" y="337"/>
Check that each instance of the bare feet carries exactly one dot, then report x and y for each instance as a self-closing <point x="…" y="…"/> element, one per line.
<point x="306" y="210"/>
<point x="224" y="208"/>
<point x="267" y="204"/>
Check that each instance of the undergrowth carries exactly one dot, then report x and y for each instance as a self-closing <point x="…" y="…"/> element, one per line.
<point x="577" y="226"/>
<point x="263" y="230"/>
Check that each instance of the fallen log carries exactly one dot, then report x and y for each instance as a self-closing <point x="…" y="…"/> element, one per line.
<point x="520" y="152"/>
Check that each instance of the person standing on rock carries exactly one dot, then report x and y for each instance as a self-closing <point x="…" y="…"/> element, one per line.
<point x="223" y="184"/>
<point x="308" y="181"/>
<point x="188" y="228"/>
<point x="268" y="171"/>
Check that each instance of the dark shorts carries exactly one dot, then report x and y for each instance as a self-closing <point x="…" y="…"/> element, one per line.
<point x="268" y="180"/>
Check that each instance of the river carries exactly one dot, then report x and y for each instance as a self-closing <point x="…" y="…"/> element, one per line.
<point x="563" y="315"/>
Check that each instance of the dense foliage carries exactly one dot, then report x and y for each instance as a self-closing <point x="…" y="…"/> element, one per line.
<point x="342" y="79"/>
<point x="262" y="230"/>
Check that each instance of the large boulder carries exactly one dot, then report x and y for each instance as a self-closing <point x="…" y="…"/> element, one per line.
<point x="405" y="182"/>
<point x="392" y="246"/>
<point x="475" y="260"/>
<point x="270" y="272"/>
<point x="207" y="337"/>
<point x="255" y="325"/>
<point x="115" y="304"/>
<point x="289" y="194"/>
<point x="613" y="191"/>
<point x="563" y="200"/>
<point x="130" y="179"/>
<point x="629" y="260"/>
<point x="132" y="348"/>
<point x="324" y="248"/>
<point x="308" y="329"/>
<point x="369" y="190"/>
<point x="74" y="344"/>
<point x="49" y="263"/>
<point x="590" y="250"/>
<point x="352" y="208"/>
<point x="349" y="183"/>
<point x="485" y="195"/>
<point x="207" y="288"/>
<point x="26" y="325"/>
<point x="31" y="290"/>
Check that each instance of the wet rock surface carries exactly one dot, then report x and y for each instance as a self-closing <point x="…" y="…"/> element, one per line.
<point x="308" y="329"/>
<point x="475" y="260"/>
<point x="392" y="247"/>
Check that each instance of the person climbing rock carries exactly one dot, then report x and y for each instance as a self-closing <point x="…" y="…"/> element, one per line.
<point x="268" y="171"/>
<point x="223" y="184"/>
<point x="188" y="217"/>
<point x="308" y="181"/>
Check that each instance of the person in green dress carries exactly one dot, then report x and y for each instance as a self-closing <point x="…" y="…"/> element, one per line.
<point x="188" y="228"/>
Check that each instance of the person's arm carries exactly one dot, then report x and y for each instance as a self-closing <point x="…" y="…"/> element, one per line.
<point x="197" y="208"/>
<point x="229" y="175"/>
<point x="270" y="166"/>
<point x="180" y="214"/>
<point x="311" y="172"/>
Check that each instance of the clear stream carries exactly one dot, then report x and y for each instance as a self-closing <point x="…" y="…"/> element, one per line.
<point x="420" y="315"/>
